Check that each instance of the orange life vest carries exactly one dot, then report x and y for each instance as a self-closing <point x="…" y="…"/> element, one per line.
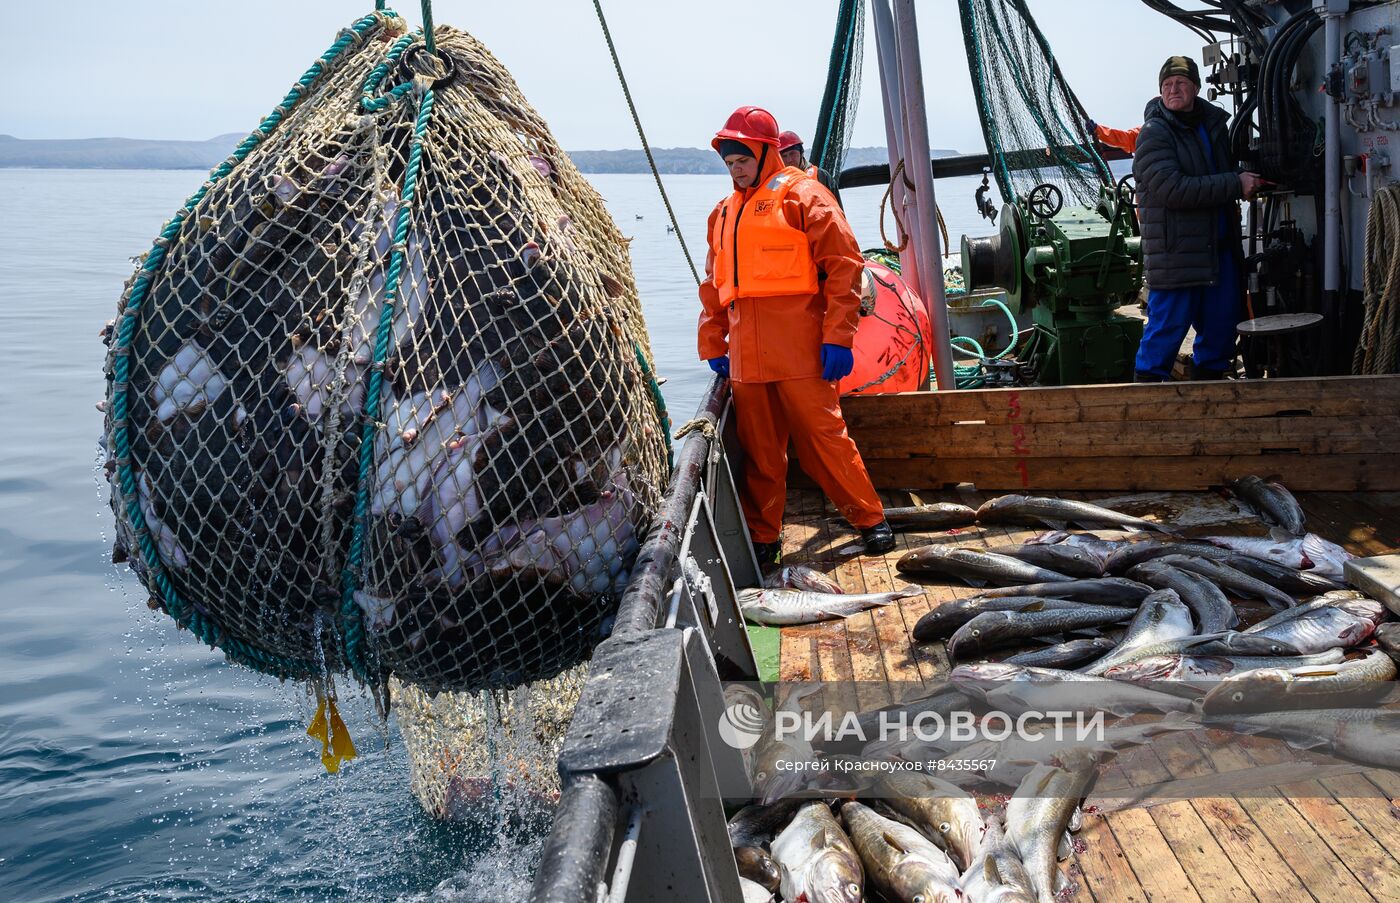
<point x="757" y="251"/>
<point x="813" y="172"/>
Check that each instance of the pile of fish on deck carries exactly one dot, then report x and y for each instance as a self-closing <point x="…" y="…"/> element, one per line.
<point x="1166" y="643"/>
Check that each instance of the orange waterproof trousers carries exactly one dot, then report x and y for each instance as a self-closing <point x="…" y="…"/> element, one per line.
<point x="808" y="411"/>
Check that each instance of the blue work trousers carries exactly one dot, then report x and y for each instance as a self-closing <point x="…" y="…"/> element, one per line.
<point x="1214" y="311"/>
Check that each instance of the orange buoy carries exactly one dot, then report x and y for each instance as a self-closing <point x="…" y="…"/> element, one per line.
<point x="894" y="343"/>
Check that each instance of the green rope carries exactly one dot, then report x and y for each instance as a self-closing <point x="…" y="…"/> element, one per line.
<point x="352" y="618"/>
<point x="428" y="27"/>
<point x="971" y="376"/>
<point x="655" y="388"/>
<point x="646" y="146"/>
<point x="184" y="613"/>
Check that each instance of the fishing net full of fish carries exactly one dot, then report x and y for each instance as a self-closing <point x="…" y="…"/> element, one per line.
<point x="381" y="395"/>
<point x="1034" y="125"/>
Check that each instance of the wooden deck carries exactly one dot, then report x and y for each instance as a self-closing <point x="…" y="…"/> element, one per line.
<point x="1331" y="833"/>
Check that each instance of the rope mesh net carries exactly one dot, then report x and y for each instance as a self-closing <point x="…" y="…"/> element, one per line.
<point x="380" y="396"/>
<point x="836" y="118"/>
<point x="1034" y="125"/>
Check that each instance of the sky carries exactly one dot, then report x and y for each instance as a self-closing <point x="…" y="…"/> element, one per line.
<point x="193" y="69"/>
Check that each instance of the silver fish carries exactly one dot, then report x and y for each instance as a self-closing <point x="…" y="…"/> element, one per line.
<point x="1367" y="735"/>
<point x="1350" y="682"/>
<point x="818" y="861"/>
<point x="771" y="781"/>
<point x="998" y="875"/>
<point x="1339" y="625"/>
<point x="943" y="812"/>
<point x="1205" y="670"/>
<point x="1103" y="591"/>
<point x="1016" y="688"/>
<point x="999" y="628"/>
<point x="1039" y="813"/>
<point x="976" y="567"/>
<point x="799" y="576"/>
<point x="1214" y="612"/>
<point x="754" y="892"/>
<point x="1163" y="616"/>
<point x="1226" y="577"/>
<point x="902" y="864"/>
<point x="947" y="617"/>
<point x="792" y="606"/>
<point x="1025" y="509"/>
<point x="939" y="516"/>
<point x="1308" y="553"/>
<point x="1122" y="559"/>
<point x="1063" y="558"/>
<point x="1279" y="575"/>
<point x="1272" y="502"/>
<point x="1066" y="654"/>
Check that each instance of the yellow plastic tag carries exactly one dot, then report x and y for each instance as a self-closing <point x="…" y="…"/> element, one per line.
<point x="327" y="726"/>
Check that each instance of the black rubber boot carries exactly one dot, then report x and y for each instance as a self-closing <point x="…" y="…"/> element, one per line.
<point x="1140" y="377"/>
<point x="769" y="554"/>
<point x="1201" y="374"/>
<point x="879" y="539"/>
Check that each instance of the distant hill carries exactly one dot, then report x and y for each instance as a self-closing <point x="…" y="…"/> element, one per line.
<point x="135" y="153"/>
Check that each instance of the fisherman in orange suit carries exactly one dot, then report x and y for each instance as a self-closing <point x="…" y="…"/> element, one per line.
<point x="1123" y="139"/>
<point x="795" y="155"/>
<point x="780" y="302"/>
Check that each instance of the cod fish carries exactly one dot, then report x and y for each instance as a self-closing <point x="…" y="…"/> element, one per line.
<point x="1350" y="682"/>
<point x="1122" y="559"/>
<point x="1318" y="626"/>
<point x="1367" y="735"/>
<point x="772" y="783"/>
<point x="1272" y="502"/>
<point x="799" y="576"/>
<point x="1227" y="577"/>
<point x="1279" y="575"/>
<point x="1185" y="666"/>
<point x="792" y="606"/>
<point x="1066" y="558"/>
<point x="1066" y="654"/>
<point x="1026" y="509"/>
<point x="1017" y="688"/>
<point x="1103" y="591"/>
<point x="941" y="811"/>
<point x="758" y="867"/>
<point x="975" y="567"/>
<point x="818" y="862"/>
<point x="1214" y="612"/>
<point x="1162" y="617"/>
<point x="1095" y="546"/>
<point x="998" y="876"/>
<point x="991" y="629"/>
<point x="1039" y="813"/>
<point x="1309" y="553"/>
<point x="902" y="864"/>
<point x="940" y="516"/>
<point x="754" y="826"/>
<point x="940" y="623"/>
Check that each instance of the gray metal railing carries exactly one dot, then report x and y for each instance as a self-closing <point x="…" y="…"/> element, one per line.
<point x="643" y="770"/>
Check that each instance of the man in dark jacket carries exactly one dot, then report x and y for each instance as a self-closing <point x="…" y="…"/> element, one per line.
<point x="1188" y="191"/>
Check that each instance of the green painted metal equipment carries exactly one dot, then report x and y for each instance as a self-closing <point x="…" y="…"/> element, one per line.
<point x="1072" y="267"/>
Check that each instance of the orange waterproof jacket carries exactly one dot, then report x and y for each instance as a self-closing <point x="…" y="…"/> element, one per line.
<point x="778" y="335"/>
<point x="1123" y="139"/>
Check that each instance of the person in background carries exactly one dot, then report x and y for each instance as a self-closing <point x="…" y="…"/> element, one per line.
<point x="782" y="336"/>
<point x="795" y="155"/>
<point x="1188" y="189"/>
<point x="1123" y="139"/>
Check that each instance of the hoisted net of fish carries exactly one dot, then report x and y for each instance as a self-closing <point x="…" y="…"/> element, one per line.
<point x="1035" y="127"/>
<point x="381" y="394"/>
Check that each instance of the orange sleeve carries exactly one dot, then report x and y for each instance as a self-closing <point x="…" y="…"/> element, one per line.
<point x="1124" y="140"/>
<point x="836" y="253"/>
<point x="713" y="331"/>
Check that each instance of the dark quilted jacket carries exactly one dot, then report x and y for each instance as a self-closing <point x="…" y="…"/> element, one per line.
<point x="1180" y="197"/>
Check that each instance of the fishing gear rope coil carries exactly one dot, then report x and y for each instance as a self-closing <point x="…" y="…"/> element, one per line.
<point x="380" y="396"/>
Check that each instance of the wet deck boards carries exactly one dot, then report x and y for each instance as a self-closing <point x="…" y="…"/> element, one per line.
<point x="1330" y="833"/>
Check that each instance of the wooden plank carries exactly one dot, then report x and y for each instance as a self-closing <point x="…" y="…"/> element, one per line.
<point x="1268" y="874"/>
<point x="1150" y="856"/>
<point x="1172" y="789"/>
<point x="1353" y="844"/>
<point x="1232" y="399"/>
<point x="1105" y="868"/>
<point x="1249" y="436"/>
<point x="1343" y="473"/>
<point x="1371" y="809"/>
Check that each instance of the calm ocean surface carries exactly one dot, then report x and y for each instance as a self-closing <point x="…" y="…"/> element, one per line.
<point x="134" y="763"/>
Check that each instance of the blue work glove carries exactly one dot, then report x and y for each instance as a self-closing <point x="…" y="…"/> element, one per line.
<point x="720" y="365"/>
<point x="837" y="362"/>
<point x="1091" y="127"/>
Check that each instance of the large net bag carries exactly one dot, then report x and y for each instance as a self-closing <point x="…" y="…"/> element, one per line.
<point x="1034" y="125"/>
<point x="381" y="394"/>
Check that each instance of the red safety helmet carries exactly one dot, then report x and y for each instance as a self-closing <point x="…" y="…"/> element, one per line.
<point x="787" y="140"/>
<point x="748" y="124"/>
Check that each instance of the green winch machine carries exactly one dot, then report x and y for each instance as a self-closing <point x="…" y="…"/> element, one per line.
<point x="1072" y="267"/>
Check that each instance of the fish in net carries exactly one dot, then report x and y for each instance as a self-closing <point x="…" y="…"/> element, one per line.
<point x="1034" y="126"/>
<point x="381" y="395"/>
